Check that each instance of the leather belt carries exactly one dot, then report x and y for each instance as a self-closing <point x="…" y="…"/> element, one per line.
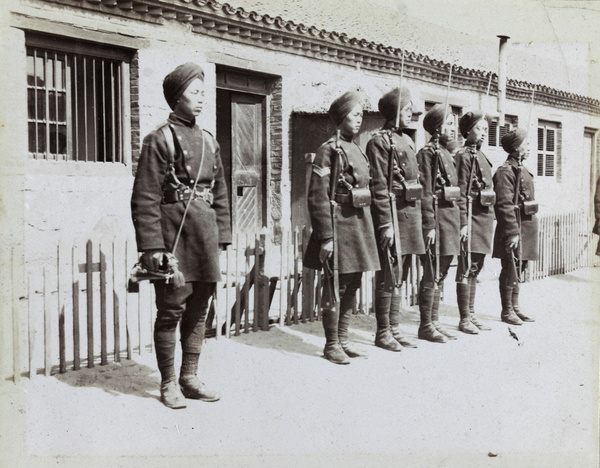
<point x="184" y="195"/>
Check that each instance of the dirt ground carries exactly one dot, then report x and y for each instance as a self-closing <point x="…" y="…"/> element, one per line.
<point x="492" y="400"/>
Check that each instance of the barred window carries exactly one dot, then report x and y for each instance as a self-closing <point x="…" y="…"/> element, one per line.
<point x="496" y="132"/>
<point x="75" y="101"/>
<point x="547" y="148"/>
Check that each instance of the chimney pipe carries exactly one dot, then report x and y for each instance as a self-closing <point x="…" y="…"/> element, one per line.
<point x="502" y="60"/>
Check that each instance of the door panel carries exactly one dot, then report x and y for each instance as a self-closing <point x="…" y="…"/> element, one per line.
<point x="247" y="154"/>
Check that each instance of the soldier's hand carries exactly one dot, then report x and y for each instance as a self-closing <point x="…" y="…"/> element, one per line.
<point x="512" y="242"/>
<point x="387" y="237"/>
<point x="464" y="233"/>
<point x="430" y="238"/>
<point x="152" y="260"/>
<point x="326" y="251"/>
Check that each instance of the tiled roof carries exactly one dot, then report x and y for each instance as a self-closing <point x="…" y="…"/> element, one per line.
<point x="374" y="39"/>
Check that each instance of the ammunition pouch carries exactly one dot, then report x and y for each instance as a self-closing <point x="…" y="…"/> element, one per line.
<point x="413" y="190"/>
<point x="450" y="193"/>
<point x="487" y="197"/>
<point x="530" y="207"/>
<point x="357" y="197"/>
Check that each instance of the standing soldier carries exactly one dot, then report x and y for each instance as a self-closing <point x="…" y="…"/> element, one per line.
<point x="342" y="240"/>
<point x="476" y="216"/>
<point x="441" y="219"/>
<point x="391" y="151"/>
<point x="181" y="216"/>
<point x="516" y="236"/>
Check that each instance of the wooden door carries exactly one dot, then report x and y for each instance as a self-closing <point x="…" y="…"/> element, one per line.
<point x="247" y="162"/>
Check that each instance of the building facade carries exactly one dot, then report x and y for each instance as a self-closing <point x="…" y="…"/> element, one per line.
<point x="83" y="85"/>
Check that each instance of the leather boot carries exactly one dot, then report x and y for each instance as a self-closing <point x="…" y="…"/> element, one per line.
<point x="508" y="314"/>
<point x="474" y="319"/>
<point x="384" y="338"/>
<point x="426" y="329"/>
<point x="435" y="316"/>
<point x="333" y="351"/>
<point x="395" y="323"/>
<point x="462" y="297"/>
<point x="171" y="396"/>
<point x="194" y="389"/>
<point x="517" y="309"/>
<point x="343" y="324"/>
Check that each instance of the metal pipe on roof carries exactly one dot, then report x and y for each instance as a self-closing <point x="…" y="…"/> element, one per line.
<point x="502" y="61"/>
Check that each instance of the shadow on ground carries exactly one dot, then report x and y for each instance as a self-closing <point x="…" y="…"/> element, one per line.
<point x="125" y="377"/>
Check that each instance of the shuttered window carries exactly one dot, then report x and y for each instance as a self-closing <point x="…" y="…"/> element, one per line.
<point x="547" y="149"/>
<point x="496" y="132"/>
<point x="75" y="102"/>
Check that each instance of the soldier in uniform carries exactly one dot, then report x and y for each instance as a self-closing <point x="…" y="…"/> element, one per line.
<point x="341" y="161"/>
<point x="180" y="180"/>
<point x="516" y="231"/>
<point x="440" y="217"/>
<point x="391" y="144"/>
<point x="475" y="180"/>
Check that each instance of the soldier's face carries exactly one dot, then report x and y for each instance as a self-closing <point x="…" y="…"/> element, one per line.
<point x="405" y="115"/>
<point x="191" y="101"/>
<point x="524" y="149"/>
<point x="449" y="127"/>
<point x="478" y="133"/>
<point x="351" y="124"/>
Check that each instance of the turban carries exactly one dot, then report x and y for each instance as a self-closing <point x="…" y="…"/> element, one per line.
<point x="342" y="106"/>
<point x="388" y="104"/>
<point x="468" y="121"/>
<point x="176" y="82"/>
<point x="513" y="139"/>
<point x="435" y="118"/>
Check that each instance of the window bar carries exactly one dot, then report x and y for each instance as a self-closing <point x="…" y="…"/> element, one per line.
<point x="68" y="112"/>
<point x="47" y="106"/>
<point x="85" y="107"/>
<point x="76" y="109"/>
<point x="56" y="71"/>
<point x="103" y="107"/>
<point x="112" y="115"/>
<point x="95" y="116"/>
<point x="35" y="99"/>
<point x="120" y="109"/>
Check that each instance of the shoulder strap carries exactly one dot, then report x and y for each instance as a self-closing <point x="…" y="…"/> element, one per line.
<point x="170" y="139"/>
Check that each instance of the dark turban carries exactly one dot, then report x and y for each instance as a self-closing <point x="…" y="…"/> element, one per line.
<point x="176" y="82"/>
<point x="513" y="139"/>
<point x="342" y="106"/>
<point x="388" y="104"/>
<point x="435" y="118"/>
<point x="469" y="120"/>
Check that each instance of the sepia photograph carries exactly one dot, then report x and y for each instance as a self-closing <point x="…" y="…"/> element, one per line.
<point x="300" y="233"/>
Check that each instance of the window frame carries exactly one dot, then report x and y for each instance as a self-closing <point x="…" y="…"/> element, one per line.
<point x="544" y="154"/>
<point x="107" y="61"/>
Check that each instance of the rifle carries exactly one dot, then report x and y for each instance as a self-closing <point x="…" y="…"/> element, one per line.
<point x="332" y="272"/>
<point x="393" y="252"/>
<point x="464" y="260"/>
<point x="436" y="246"/>
<point x="514" y="274"/>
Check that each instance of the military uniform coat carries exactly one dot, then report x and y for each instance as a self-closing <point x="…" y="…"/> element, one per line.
<point x="379" y="150"/>
<point x="504" y="186"/>
<point x="357" y="249"/>
<point x="156" y="223"/>
<point x="448" y="212"/>
<point x="482" y="224"/>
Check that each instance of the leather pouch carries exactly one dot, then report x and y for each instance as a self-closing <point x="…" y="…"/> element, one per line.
<point x="361" y="197"/>
<point x="487" y="197"/>
<point x="413" y="190"/>
<point x="451" y="193"/>
<point x="530" y="207"/>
